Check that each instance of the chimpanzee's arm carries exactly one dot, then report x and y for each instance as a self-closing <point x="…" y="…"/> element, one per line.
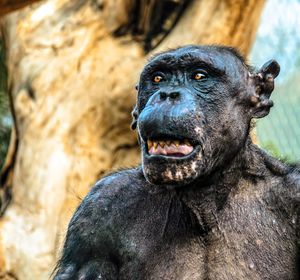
<point x="97" y="269"/>
<point x="88" y="250"/>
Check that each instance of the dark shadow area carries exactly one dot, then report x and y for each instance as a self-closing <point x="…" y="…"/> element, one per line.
<point x="5" y="115"/>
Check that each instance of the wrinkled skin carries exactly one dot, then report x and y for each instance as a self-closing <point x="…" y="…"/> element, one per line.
<point x="225" y="210"/>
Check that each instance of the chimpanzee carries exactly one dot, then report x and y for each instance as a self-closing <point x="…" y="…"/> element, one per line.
<point x="206" y="203"/>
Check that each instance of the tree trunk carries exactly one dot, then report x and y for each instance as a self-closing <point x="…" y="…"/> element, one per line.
<point x="72" y="69"/>
<point x="8" y="6"/>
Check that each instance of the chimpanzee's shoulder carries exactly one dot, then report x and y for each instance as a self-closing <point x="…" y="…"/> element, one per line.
<point x="290" y="174"/>
<point x="276" y="168"/>
<point x="282" y="181"/>
<point x="120" y="184"/>
<point x="291" y="193"/>
<point x="285" y="193"/>
<point x="292" y="181"/>
<point x="116" y="192"/>
<point x="112" y="196"/>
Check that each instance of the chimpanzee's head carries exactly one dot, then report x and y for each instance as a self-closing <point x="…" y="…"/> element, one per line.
<point x="194" y="108"/>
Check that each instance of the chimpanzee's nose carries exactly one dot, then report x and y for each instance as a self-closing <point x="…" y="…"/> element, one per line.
<point x="173" y="95"/>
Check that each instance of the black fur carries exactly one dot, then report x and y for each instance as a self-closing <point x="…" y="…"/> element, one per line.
<point x="225" y="211"/>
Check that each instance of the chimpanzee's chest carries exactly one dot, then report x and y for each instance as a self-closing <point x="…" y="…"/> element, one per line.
<point x="246" y="241"/>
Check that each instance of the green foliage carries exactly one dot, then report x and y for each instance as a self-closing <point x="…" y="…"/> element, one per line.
<point x="5" y="116"/>
<point x="274" y="150"/>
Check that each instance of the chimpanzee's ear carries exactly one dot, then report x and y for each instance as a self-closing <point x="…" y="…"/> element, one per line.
<point x="135" y="115"/>
<point x="264" y="85"/>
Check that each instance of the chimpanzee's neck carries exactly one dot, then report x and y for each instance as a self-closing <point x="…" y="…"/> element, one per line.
<point x="250" y="161"/>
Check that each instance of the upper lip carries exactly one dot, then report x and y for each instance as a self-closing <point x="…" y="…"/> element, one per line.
<point x="162" y="143"/>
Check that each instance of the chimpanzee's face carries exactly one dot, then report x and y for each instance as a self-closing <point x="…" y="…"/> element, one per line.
<point x="193" y="112"/>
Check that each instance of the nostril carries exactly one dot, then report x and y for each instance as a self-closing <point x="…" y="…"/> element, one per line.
<point x="174" y="95"/>
<point x="163" y="95"/>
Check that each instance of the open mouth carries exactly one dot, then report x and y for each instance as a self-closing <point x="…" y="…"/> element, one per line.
<point x="171" y="148"/>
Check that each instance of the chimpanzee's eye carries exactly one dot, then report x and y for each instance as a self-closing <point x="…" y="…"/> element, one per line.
<point x="198" y="76"/>
<point x="157" y="78"/>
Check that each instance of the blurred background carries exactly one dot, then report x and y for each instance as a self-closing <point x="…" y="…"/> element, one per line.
<point x="278" y="37"/>
<point x="67" y="76"/>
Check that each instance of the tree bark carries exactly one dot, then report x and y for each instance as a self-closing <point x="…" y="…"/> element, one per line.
<point x="8" y="6"/>
<point x="72" y="68"/>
